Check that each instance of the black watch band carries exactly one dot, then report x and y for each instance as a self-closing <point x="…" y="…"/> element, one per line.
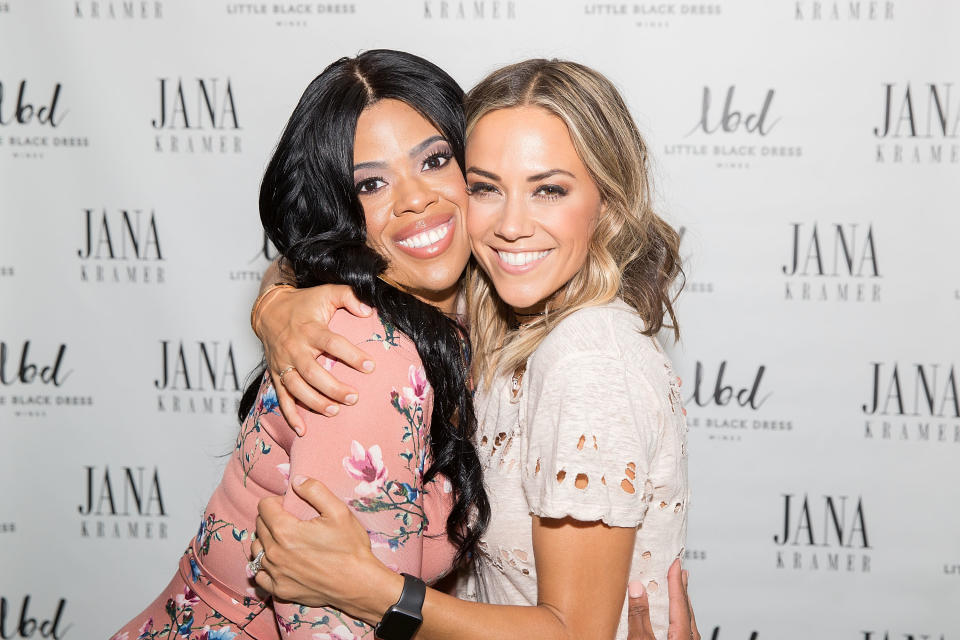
<point x="401" y="621"/>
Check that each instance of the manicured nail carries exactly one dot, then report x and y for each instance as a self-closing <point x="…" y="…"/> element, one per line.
<point x="368" y="365"/>
<point x="299" y="480"/>
<point x="351" y="398"/>
<point x="299" y="431"/>
<point x="333" y="410"/>
<point x="635" y="589"/>
<point x="365" y="309"/>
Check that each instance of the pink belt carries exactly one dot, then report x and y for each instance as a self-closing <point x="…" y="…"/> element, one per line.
<point x="252" y="615"/>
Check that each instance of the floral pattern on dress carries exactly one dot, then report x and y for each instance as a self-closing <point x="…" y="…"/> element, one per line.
<point x="211" y="528"/>
<point x="182" y="623"/>
<point x="347" y="629"/>
<point x="389" y="337"/>
<point x="377" y="493"/>
<point x="250" y="454"/>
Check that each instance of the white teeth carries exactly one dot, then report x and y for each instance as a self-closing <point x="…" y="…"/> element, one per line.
<point x="522" y="258"/>
<point x="426" y="238"/>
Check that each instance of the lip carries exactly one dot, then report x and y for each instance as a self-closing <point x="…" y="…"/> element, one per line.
<point x="519" y="269"/>
<point x="435" y="222"/>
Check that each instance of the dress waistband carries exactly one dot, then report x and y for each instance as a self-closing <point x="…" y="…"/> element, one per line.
<point x="251" y="614"/>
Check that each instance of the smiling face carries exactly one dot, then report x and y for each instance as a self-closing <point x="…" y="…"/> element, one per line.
<point x="413" y="199"/>
<point x="533" y="205"/>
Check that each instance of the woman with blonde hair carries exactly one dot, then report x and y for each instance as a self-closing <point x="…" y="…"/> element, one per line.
<point x="581" y="431"/>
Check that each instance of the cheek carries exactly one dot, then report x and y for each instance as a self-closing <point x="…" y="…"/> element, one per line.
<point x="452" y="187"/>
<point x="478" y="218"/>
<point x="574" y="227"/>
<point x="376" y="214"/>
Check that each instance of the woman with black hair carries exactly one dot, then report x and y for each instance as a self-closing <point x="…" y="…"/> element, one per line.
<point x="364" y="189"/>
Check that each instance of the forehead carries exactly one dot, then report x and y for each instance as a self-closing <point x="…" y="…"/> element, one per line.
<point x="387" y="128"/>
<point x="521" y="137"/>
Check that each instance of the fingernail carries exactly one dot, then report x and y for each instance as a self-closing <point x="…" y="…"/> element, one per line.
<point x="365" y="308"/>
<point x="299" y="431"/>
<point x="333" y="410"/>
<point x="299" y="480"/>
<point x="635" y="589"/>
<point x="368" y="365"/>
<point x="351" y="398"/>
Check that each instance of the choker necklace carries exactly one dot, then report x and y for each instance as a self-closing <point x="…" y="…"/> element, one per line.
<point x="530" y="315"/>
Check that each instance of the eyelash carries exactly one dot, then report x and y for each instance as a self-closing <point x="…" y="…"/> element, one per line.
<point x="482" y="188"/>
<point x="359" y="186"/>
<point x="558" y="191"/>
<point x="444" y="154"/>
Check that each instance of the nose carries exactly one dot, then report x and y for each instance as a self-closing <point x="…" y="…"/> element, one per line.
<point x="515" y="221"/>
<point x="414" y="195"/>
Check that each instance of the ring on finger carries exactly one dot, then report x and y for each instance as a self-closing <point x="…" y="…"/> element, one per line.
<point x="285" y="372"/>
<point x="255" y="565"/>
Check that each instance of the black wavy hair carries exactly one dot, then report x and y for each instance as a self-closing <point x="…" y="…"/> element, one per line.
<point x="310" y="211"/>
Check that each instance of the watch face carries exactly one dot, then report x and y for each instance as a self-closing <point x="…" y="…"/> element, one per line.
<point x="397" y="625"/>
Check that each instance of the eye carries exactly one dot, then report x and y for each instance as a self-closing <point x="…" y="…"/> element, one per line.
<point x="437" y="160"/>
<point x="370" y="185"/>
<point x="481" y="189"/>
<point x="550" y="191"/>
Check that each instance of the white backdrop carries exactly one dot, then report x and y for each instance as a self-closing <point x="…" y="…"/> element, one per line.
<point x="815" y="514"/>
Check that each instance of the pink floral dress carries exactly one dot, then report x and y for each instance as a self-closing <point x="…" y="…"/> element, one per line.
<point x="373" y="455"/>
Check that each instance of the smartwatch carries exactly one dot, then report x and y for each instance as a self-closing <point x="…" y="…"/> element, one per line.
<point x="402" y="620"/>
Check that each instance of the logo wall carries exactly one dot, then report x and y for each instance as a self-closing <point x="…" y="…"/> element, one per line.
<point x="197" y="116"/>
<point x="823" y="533"/>
<point x="832" y="262"/>
<point x="122" y="502"/>
<point x="120" y="246"/>
<point x="919" y="124"/>
<point x="736" y="129"/>
<point x="197" y="377"/>
<point x="911" y="402"/>
<point x="33" y="379"/>
<point x="31" y="117"/>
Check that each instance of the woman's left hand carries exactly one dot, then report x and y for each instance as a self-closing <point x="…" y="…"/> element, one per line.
<point x="320" y="562"/>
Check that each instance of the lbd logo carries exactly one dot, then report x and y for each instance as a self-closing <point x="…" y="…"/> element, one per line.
<point x="31" y="119"/>
<point x="735" y="128"/>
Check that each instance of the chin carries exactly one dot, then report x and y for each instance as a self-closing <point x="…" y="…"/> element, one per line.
<point x="521" y="299"/>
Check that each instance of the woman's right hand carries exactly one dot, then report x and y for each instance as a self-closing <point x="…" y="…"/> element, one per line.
<point x="292" y="324"/>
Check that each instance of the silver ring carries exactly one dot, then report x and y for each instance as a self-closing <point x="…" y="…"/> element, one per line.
<point x="285" y="372"/>
<point x="255" y="564"/>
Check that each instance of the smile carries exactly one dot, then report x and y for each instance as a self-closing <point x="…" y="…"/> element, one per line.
<point x="426" y="238"/>
<point x="521" y="261"/>
<point x="429" y="242"/>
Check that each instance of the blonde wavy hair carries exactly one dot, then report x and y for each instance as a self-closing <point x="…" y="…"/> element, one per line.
<point x="633" y="254"/>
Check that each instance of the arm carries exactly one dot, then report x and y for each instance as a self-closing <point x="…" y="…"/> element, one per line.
<point x="368" y="455"/>
<point x="299" y="555"/>
<point x="293" y="326"/>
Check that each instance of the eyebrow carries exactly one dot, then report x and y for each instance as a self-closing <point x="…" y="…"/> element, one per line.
<point x="533" y="178"/>
<point x="413" y="152"/>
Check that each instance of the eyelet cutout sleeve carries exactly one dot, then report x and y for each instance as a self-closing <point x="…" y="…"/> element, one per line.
<point x="594" y="426"/>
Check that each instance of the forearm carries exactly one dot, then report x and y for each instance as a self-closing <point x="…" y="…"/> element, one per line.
<point x="273" y="274"/>
<point x="446" y="617"/>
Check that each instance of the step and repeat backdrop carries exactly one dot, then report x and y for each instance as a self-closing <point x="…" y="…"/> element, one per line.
<point x="809" y="153"/>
